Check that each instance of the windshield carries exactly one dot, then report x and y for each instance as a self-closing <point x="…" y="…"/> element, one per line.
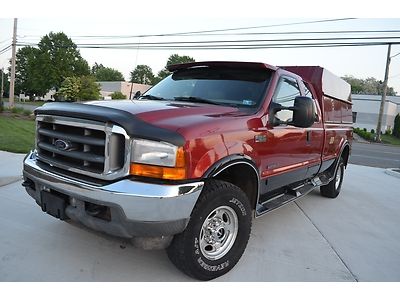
<point x="219" y="86"/>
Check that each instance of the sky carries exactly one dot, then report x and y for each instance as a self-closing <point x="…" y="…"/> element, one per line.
<point x="361" y="62"/>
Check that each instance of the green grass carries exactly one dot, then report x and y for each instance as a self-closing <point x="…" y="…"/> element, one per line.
<point x="390" y="139"/>
<point x="16" y="135"/>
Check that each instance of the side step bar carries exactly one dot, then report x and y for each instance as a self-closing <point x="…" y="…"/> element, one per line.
<point x="288" y="196"/>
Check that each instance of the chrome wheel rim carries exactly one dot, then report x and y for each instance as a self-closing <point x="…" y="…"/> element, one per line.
<point x="218" y="232"/>
<point x="338" y="177"/>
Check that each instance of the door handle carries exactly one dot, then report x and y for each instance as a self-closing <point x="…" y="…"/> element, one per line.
<point x="308" y="138"/>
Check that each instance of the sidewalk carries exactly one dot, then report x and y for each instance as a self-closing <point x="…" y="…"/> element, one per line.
<point x="11" y="167"/>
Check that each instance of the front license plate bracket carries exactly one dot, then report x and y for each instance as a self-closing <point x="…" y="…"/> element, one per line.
<point x="54" y="205"/>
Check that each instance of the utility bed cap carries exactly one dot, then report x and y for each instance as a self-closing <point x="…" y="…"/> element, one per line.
<point x="325" y="82"/>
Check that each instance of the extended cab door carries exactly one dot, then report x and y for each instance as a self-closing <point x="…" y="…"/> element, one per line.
<point x="290" y="151"/>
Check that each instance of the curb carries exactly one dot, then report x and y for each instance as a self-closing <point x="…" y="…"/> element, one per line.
<point x="393" y="173"/>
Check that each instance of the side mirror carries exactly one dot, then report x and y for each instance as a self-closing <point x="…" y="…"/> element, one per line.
<point x="137" y="95"/>
<point x="303" y="112"/>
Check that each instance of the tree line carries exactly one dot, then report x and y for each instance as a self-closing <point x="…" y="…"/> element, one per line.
<point x="56" y="64"/>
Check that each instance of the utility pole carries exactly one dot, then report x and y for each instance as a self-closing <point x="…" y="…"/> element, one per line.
<point x="12" y="79"/>
<point x="379" y="125"/>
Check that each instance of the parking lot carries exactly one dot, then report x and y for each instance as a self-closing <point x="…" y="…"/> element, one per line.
<point x="354" y="237"/>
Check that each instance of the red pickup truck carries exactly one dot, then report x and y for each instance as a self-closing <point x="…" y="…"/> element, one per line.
<point x="187" y="165"/>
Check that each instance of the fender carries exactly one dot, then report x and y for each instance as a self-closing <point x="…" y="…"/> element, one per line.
<point x="331" y="170"/>
<point x="232" y="160"/>
<point x="228" y="161"/>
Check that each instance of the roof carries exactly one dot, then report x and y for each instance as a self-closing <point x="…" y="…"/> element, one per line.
<point x="363" y="97"/>
<point x="229" y="64"/>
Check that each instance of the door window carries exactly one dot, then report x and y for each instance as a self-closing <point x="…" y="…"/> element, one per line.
<point x="287" y="91"/>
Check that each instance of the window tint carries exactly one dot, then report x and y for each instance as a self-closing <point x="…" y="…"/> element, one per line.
<point x="287" y="91"/>
<point x="236" y="86"/>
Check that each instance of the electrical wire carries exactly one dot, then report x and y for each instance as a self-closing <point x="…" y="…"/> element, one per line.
<point x="4" y="50"/>
<point x="201" y="32"/>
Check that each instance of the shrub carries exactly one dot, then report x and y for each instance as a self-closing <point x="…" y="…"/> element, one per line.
<point x="396" y="127"/>
<point x="118" y="96"/>
<point x="388" y="131"/>
<point x="365" y="129"/>
<point x="372" y="131"/>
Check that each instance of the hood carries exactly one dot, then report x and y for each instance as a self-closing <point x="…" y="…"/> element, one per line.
<point x="171" y="115"/>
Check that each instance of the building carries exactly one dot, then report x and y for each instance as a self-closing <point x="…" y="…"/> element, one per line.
<point x="366" y="111"/>
<point x="126" y="88"/>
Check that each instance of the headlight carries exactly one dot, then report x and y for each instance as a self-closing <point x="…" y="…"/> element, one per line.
<point x="157" y="160"/>
<point x="154" y="153"/>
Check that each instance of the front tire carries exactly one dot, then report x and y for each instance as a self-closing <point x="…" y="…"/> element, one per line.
<point x="332" y="189"/>
<point x="217" y="233"/>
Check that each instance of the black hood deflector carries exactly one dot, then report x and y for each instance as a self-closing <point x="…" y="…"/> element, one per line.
<point x="134" y="126"/>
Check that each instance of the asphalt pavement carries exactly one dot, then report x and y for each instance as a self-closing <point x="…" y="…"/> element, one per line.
<point x="354" y="237"/>
<point x="375" y="155"/>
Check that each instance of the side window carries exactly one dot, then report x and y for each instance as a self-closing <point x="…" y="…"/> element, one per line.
<point x="287" y="90"/>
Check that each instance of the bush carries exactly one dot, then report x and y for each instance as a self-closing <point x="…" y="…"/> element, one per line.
<point x="372" y="131"/>
<point x="117" y="96"/>
<point x="388" y="131"/>
<point x="365" y="129"/>
<point x="396" y="127"/>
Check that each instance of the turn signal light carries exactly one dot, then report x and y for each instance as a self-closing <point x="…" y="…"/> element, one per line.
<point x="170" y="173"/>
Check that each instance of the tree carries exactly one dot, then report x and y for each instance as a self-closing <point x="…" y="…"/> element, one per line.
<point x="89" y="90"/>
<point x="6" y="84"/>
<point x="102" y="73"/>
<point x="369" y="86"/>
<point x="61" y="59"/>
<point x="172" y="60"/>
<point x="70" y="88"/>
<point x="40" y="69"/>
<point x="142" y="74"/>
<point x="396" y="127"/>
<point x="28" y="78"/>
<point x="118" y="96"/>
<point x="79" y="88"/>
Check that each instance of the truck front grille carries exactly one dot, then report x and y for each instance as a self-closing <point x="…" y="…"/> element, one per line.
<point x="100" y="150"/>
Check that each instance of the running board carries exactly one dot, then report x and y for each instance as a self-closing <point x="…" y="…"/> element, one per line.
<point x="290" y="194"/>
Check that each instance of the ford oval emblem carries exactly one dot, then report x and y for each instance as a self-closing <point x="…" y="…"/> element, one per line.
<point x="62" y="145"/>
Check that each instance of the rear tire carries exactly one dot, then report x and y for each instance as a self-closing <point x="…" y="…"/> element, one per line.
<point x="217" y="233"/>
<point x="332" y="189"/>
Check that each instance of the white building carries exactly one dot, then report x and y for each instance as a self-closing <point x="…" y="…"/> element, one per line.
<point x="366" y="111"/>
<point x="109" y="87"/>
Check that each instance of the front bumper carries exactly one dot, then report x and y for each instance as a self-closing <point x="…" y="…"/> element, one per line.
<point x="137" y="209"/>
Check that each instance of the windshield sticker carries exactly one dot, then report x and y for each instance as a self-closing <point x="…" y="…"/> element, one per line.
<point x="248" y="102"/>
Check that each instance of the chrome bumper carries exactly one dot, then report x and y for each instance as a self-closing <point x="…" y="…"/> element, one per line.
<point x="137" y="208"/>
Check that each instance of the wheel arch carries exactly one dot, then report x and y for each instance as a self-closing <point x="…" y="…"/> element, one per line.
<point x="239" y="170"/>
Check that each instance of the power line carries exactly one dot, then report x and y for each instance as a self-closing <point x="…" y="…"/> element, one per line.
<point x="233" y="34"/>
<point x="212" y="43"/>
<point x="189" y="33"/>
<point x="4" y="50"/>
<point x="238" y="46"/>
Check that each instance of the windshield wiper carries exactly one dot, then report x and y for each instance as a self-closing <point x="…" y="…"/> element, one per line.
<point x="151" y="97"/>
<point x="202" y="100"/>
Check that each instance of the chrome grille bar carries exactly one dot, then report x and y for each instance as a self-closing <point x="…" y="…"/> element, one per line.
<point x="100" y="150"/>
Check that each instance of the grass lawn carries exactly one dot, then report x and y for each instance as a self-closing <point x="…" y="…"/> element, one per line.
<point x="16" y="134"/>
<point x="390" y="139"/>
